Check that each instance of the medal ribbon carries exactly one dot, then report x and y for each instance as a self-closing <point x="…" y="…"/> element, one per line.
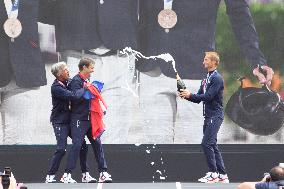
<point x="208" y="80"/>
<point x="12" y="9"/>
<point x="168" y="4"/>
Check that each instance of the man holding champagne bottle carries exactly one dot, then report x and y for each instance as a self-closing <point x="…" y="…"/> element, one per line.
<point x="211" y="94"/>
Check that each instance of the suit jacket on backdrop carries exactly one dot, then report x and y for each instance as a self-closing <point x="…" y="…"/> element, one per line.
<point x="193" y="34"/>
<point x="118" y="23"/>
<point x="89" y="24"/>
<point x="76" y="25"/>
<point x="21" y="59"/>
<point x="47" y="11"/>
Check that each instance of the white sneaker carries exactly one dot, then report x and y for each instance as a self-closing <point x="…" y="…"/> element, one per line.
<point x="223" y="178"/>
<point x="66" y="178"/>
<point x="210" y="177"/>
<point x="87" y="178"/>
<point x="50" y="179"/>
<point x="105" y="177"/>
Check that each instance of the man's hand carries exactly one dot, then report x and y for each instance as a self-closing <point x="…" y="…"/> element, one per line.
<point x="13" y="182"/>
<point x="184" y="93"/>
<point x="87" y="85"/>
<point x="262" y="79"/>
<point x="266" y="177"/>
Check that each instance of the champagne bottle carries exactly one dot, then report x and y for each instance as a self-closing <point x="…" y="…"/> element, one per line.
<point x="180" y="84"/>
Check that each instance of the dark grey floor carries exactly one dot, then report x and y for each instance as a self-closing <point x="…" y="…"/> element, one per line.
<point x="133" y="186"/>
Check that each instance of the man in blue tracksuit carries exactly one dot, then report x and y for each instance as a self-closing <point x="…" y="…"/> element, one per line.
<point x="211" y="94"/>
<point x="81" y="124"/>
<point x="60" y="119"/>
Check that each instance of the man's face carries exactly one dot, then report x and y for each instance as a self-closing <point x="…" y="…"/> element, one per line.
<point x="208" y="63"/>
<point x="65" y="74"/>
<point x="88" y="69"/>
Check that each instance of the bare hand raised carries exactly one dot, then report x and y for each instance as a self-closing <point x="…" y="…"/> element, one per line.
<point x="261" y="77"/>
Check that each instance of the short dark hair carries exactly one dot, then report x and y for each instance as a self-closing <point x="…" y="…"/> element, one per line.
<point x="277" y="173"/>
<point x="85" y="62"/>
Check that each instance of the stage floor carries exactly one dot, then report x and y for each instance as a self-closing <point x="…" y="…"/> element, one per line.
<point x="132" y="186"/>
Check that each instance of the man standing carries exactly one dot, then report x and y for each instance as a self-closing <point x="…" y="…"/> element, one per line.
<point x="211" y="94"/>
<point x="60" y="119"/>
<point x="81" y="125"/>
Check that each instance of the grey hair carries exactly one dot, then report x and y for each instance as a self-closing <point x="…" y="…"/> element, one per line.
<point x="57" y="68"/>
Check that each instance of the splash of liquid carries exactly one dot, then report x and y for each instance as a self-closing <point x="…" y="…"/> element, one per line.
<point x="165" y="56"/>
<point x="128" y="51"/>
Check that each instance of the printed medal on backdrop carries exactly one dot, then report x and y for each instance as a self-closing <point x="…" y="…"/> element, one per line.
<point x="12" y="25"/>
<point x="167" y="18"/>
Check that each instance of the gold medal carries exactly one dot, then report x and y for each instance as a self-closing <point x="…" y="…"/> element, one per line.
<point x="12" y="27"/>
<point x="167" y="18"/>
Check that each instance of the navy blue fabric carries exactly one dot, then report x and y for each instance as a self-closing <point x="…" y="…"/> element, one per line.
<point x="62" y="131"/>
<point x="79" y="107"/>
<point x="213" y="112"/>
<point x="60" y="118"/>
<point x="212" y="98"/>
<point x="209" y="145"/>
<point x="79" y="129"/>
<point x="22" y="58"/>
<point x="81" y="126"/>
<point x="118" y="23"/>
<point x="266" y="185"/>
<point x="61" y="97"/>
<point x="193" y="35"/>
<point x="279" y="182"/>
<point x="76" y="25"/>
<point x="88" y="24"/>
<point x="245" y="32"/>
<point x="47" y="11"/>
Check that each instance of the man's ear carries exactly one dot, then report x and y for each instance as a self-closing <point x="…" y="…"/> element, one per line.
<point x="60" y="72"/>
